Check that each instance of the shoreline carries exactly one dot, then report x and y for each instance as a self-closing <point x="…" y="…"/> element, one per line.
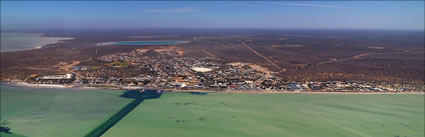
<point x="24" y="84"/>
<point x="293" y="92"/>
<point x="58" y="39"/>
<point x="58" y="86"/>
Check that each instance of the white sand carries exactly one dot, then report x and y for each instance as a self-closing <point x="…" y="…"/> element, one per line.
<point x="40" y="85"/>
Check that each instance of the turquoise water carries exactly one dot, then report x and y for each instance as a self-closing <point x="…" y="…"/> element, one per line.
<point x="25" y="41"/>
<point x="144" y="42"/>
<point x="56" y="112"/>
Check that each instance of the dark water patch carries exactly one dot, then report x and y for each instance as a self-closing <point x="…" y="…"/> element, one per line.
<point x="5" y="129"/>
<point x="202" y="118"/>
<point x="177" y="103"/>
<point x="223" y="103"/>
<point x="402" y="124"/>
<point x="142" y="94"/>
<point x="182" y="121"/>
<point x="188" y="103"/>
<point x="185" y="103"/>
<point x="218" y="104"/>
<point x="198" y="93"/>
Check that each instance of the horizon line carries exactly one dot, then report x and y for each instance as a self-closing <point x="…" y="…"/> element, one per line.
<point x="188" y="28"/>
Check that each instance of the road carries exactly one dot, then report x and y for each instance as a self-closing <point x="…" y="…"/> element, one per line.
<point x="362" y="55"/>
<point x="259" y="54"/>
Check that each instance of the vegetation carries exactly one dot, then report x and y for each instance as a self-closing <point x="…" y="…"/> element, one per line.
<point x="120" y="64"/>
<point x="95" y="68"/>
<point x="259" y="115"/>
<point x="319" y="59"/>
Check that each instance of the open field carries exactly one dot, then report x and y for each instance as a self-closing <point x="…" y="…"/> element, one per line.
<point x="40" y="112"/>
<point x="269" y="115"/>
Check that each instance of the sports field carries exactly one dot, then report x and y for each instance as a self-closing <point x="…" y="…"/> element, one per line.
<point x="274" y="115"/>
<point x="39" y="112"/>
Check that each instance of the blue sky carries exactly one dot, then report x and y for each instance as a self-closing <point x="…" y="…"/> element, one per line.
<point x="396" y="15"/>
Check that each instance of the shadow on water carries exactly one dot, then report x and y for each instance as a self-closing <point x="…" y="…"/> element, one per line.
<point x="6" y="130"/>
<point x="142" y="94"/>
<point x="198" y="93"/>
<point x="138" y="95"/>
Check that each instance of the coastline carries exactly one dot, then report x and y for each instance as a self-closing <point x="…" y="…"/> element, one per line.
<point x="24" y="84"/>
<point x="44" y="41"/>
<point x="58" y="86"/>
<point x="58" y="40"/>
<point x="295" y="92"/>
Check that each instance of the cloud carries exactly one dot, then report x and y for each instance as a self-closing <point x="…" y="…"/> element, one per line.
<point x="309" y="5"/>
<point x="175" y="10"/>
<point x="290" y="4"/>
<point x="250" y="5"/>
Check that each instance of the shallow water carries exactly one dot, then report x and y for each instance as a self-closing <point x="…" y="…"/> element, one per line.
<point x="57" y="112"/>
<point x="25" y="41"/>
<point x="274" y="115"/>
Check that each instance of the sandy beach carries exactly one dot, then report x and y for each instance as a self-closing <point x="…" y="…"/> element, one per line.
<point x="24" y="84"/>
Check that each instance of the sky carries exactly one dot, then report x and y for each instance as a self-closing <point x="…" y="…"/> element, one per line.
<point x="394" y="15"/>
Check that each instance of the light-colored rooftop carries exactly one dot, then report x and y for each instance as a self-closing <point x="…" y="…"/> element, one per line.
<point x="201" y="69"/>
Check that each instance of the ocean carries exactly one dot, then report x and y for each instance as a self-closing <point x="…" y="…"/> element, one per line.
<point x="26" y="41"/>
<point x="56" y="112"/>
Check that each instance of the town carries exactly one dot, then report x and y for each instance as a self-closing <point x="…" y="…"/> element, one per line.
<point x="135" y="70"/>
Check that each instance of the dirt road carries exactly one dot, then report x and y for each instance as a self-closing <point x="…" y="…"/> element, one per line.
<point x="259" y="54"/>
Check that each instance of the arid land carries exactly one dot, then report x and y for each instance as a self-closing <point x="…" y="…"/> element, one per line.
<point x="319" y="58"/>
